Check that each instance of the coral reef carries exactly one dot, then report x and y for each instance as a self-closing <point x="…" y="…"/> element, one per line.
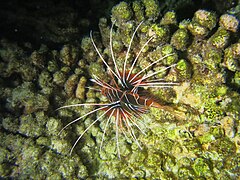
<point x="197" y="138"/>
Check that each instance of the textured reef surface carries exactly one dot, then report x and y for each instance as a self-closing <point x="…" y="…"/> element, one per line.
<point x="198" y="139"/>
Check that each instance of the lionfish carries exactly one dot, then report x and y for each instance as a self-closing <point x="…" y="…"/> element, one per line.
<point x="125" y="100"/>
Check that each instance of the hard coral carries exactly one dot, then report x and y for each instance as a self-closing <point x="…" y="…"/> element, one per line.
<point x="203" y="144"/>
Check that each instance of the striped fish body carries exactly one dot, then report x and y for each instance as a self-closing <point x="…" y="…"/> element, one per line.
<point x="128" y="103"/>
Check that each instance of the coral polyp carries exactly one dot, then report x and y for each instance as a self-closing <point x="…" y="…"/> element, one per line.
<point x="127" y="100"/>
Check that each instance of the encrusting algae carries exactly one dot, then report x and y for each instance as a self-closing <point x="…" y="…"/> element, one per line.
<point x="205" y="143"/>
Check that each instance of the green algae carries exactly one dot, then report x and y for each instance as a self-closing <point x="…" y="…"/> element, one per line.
<point x="138" y="10"/>
<point x="236" y="79"/>
<point x="151" y="9"/>
<point x="184" y="71"/>
<point x="202" y="168"/>
<point x="220" y="38"/>
<point x="205" y="18"/>
<point x="197" y="30"/>
<point x="203" y="144"/>
<point x="121" y="12"/>
<point x="59" y="78"/>
<point x="169" y="18"/>
<point x="180" y="39"/>
<point x="161" y="32"/>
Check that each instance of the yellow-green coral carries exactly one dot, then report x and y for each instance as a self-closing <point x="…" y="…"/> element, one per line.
<point x="229" y="22"/>
<point x="205" y="19"/>
<point x="220" y="38"/>
<point x="151" y="9"/>
<point x="184" y="71"/>
<point x="169" y="18"/>
<point x="204" y="100"/>
<point x="180" y="39"/>
<point x="198" y="137"/>
<point x="231" y="57"/>
<point x="121" y="12"/>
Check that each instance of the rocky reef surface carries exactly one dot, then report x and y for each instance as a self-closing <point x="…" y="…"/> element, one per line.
<point x="203" y="143"/>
